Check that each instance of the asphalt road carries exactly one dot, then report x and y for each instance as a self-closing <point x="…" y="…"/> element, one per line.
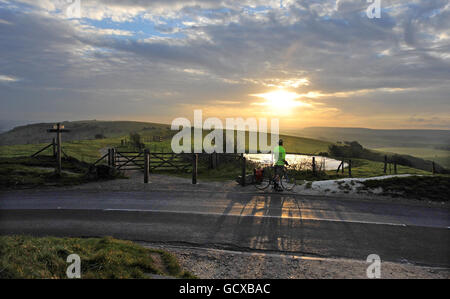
<point x="245" y="221"/>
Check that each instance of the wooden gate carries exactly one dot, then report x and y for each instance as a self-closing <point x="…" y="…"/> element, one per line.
<point x="157" y="161"/>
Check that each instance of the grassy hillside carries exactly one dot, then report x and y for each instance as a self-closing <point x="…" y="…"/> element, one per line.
<point x="372" y="138"/>
<point x="90" y="149"/>
<point x="440" y="156"/>
<point x="80" y="142"/>
<point x="80" y="130"/>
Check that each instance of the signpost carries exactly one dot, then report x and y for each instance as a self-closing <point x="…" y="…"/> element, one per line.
<point x="58" y="129"/>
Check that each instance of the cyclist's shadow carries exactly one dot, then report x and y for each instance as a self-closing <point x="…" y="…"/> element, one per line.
<point x="260" y="223"/>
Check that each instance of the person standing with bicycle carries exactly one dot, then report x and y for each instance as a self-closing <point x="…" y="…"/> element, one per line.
<point x="279" y="154"/>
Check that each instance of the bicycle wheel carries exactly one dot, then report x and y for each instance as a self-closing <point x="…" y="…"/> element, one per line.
<point x="266" y="180"/>
<point x="288" y="180"/>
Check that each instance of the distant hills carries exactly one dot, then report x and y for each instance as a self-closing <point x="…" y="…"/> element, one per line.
<point x="431" y="145"/>
<point x="374" y="138"/>
<point x="370" y="138"/>
<point x="80" y="130"/>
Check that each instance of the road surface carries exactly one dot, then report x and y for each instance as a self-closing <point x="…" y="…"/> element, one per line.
<point x="244" y="221"/>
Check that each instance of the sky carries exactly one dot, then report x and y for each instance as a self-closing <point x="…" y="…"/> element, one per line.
<point x="305" y="62"/>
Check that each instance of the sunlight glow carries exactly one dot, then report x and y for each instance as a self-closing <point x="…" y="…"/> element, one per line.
<point x="281" y="100"/>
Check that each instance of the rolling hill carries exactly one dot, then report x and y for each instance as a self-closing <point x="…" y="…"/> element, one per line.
<point x="373" y="138"/>
<point x="80" y="130"/>
<point x="87" y="137"/>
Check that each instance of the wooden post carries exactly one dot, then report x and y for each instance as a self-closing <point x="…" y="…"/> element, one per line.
<point x="113" y="157"/>
<point x="58" y="149"/>
<point x="194" y="168"/>
<point x="109" y="157"/>
<point x="149" y="161"/>
<point x="58" y="129"/>
<point x="146" y="165"/>
<point x="350" y="168"/>
<point x="314" y="165"/>
<point x="54" y="147"/>
<point x="214" y="160"/>
<point x="385" y="164"/>
<point x="343" y="166"/>
<point x="433" y="168"/>
<point x="217" y="160"/>
<point x="243" y="169"/>
<point x="395" y="167"/>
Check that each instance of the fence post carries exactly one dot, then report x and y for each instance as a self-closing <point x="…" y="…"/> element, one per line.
<point x="243" y="169"/>
<point x="194" y="169"/>
<point x="109" y="157"/>
<point x="214" y="160"/>
<point x="217" y="160"/>
<point x="314" y="165"/>
<point x="395" y="167"/>
<point x="54" y="147"/>
<point x="146" y="165"/>
<point x="343" y="166"/>
<point x="385" y="164"/>
<point x="433" y="168"/>
<point x="113" y="157"/>
<point x="58" y="150"/>
<point x="149" y="161"/>
<point x="350" y="168"/>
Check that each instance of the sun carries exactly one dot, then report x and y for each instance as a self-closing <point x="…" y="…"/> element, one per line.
<point x="281" y="100"/>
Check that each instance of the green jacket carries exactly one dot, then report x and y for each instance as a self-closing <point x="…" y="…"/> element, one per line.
<point x="280" y="153"/>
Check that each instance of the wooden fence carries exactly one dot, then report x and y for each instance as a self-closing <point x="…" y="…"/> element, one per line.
<point x="149" y="162"/>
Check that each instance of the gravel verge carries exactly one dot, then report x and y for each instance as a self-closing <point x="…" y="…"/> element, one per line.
<point x="223" y="264"/>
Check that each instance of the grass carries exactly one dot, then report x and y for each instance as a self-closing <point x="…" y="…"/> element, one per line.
<point x="19" y="176"/>
<point x="83" y="150"/>
<point x="26" y="172"/>
<point x="104" y="258"/>
<point x="90" y="150"/>
<point x="433" y="188"/>
<point x="440" y="156"/>
<point x="304" y="145"/>
<point x="365" y="168"/>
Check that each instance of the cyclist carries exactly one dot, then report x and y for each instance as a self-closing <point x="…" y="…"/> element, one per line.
<point x="280" y="157"/>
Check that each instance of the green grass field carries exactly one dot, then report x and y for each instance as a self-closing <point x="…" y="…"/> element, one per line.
<point x="365" y="168"/>
<point x="104" y="258"/>
<point x="440" y="156"/>
<point x="90" y="150"/>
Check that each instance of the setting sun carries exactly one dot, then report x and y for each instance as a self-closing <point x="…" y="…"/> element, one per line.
<point x="281" y="100"/>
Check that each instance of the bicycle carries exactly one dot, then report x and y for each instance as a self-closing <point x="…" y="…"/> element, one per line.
<point x="267" y="178"/>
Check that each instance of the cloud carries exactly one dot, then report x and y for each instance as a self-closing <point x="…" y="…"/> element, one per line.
<point x="169" y="54"/>
<point x="8" y="79"/>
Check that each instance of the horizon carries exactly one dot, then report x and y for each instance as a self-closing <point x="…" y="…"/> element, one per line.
<point x="286" y="131"/>
<point x="321" y="64"/>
